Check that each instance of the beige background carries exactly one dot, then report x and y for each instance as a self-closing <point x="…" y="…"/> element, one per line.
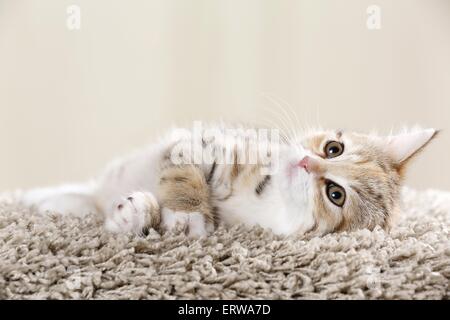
<point x="72" y="100"/>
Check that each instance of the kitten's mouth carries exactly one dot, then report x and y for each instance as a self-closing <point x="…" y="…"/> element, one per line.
<point x="294" y="170"/>
<point x="305" y="164"/>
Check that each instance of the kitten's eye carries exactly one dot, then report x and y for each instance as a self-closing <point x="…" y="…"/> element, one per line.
<point x="335" y="193"/>
<point x="333" y="149"/>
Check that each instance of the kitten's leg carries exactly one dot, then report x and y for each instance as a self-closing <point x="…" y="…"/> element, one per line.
<point x="184" y="198"/>
<point x="76" y="199"/>
<point x="136" y="213"/>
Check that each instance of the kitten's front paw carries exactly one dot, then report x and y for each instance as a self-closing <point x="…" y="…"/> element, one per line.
<point x="135" y="213"/>
<point x="194" y="224"/>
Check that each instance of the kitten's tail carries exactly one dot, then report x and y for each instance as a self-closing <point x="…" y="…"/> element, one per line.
<point x="76" y="199"/>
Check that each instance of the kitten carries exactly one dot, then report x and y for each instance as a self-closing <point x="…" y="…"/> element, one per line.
<point x="321" y="182"/>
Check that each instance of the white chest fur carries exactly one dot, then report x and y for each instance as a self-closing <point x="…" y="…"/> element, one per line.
<point x="267" y="210"/>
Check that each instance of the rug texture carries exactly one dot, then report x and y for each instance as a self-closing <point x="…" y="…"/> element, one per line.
<point x="61" y="257"/>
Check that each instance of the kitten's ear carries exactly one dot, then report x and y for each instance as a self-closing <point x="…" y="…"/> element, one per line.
<point x="403" y="147"/>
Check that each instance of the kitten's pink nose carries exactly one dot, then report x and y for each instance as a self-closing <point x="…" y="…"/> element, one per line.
<point x="304" y="163"/>
<point x="312" y="165"/>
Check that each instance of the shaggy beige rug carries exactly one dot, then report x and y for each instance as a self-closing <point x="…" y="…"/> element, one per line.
<point x="58" y="257"/>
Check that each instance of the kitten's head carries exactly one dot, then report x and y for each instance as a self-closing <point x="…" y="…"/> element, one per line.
<point x="348" y="181"/>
